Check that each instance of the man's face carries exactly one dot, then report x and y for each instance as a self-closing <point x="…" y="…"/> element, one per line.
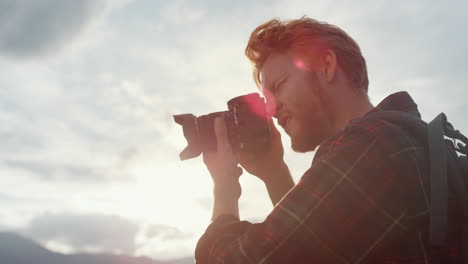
<point x="295" y="97"/>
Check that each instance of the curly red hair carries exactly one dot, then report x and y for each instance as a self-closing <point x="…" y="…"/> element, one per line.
<point x="308" y="36"/>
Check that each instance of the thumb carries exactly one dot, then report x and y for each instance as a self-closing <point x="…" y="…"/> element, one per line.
<point x="273" y="128"/>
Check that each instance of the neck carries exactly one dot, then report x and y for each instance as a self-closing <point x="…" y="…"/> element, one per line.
<point x="349" y="106"/>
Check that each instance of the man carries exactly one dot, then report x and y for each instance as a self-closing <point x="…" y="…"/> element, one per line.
<point x="364" y="199"/>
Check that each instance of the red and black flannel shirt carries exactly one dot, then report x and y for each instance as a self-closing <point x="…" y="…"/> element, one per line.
<point x="364" y="200"/>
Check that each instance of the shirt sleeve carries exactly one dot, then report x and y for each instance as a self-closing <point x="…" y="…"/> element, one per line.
<point x="352" y="203"/>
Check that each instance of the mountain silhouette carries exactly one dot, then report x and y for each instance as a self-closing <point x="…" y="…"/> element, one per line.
<point x="15" y="249"/>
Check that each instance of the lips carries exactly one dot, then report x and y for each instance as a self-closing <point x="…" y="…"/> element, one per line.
<point x="283" y="121"/>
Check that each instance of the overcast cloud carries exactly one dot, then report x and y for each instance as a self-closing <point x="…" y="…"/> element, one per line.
<point x="108" y="233"/>
<point x="34" y="28"/>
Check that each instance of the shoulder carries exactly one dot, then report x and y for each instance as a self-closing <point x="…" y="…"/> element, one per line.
<point x="387" y="138"/>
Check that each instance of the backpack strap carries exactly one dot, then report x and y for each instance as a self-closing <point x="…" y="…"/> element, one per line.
<point x="461" y="193"/>
<point x="445" y="166"/>
<point x="438" y="181"/>
<point x="455" y="166"/>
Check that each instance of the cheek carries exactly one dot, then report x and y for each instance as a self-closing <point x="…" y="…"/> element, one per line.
<point x="308" y="111"/>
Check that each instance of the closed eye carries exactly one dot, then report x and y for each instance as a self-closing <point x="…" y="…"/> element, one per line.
<point x="279" y="85"/>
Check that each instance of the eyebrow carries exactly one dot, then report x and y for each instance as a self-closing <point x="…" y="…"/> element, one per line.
<point x="283" y="76"/>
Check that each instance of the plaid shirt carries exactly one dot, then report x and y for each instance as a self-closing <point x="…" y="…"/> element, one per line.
<point x="364" y="200"/>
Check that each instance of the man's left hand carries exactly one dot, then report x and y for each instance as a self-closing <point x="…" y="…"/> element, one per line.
<point x="223" y="166"/>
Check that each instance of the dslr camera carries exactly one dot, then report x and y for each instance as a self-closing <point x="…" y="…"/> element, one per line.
<point x="247" y="125"/>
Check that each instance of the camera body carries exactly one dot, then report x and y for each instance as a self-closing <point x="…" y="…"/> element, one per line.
<point x="247" y="125"/>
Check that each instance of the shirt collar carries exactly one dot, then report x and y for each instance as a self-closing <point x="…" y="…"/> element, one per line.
<point x="400" y="101"/>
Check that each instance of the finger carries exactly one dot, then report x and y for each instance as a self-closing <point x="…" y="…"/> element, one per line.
<point x="222" y="138"/>
<point x="274" y="132"/>
<point x="206" y="157"/>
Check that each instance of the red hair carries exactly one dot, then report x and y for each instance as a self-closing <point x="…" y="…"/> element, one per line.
<point x="309" y="36"/>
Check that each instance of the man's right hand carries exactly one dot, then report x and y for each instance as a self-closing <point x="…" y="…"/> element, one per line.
<point x="270" y="167"/>
<point x="264" y="164"/>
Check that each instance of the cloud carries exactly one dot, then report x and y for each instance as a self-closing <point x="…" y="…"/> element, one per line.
<point x="89" y="232"/>
<point x="33" y="28"/>
<point x="71" y="233"/>
<point x="166" y="242"/>
<point x="165" y="232"/>
<point x="8" y="200"/>
<point x="179" y="13"/>
<point x="205" y="202"/>
<point x="55" y="171"/>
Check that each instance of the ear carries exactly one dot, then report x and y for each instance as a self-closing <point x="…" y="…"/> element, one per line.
<point x="328" y="65"/>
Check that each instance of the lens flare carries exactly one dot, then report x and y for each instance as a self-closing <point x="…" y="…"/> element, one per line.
<point x="300" y="64"/>
<point x="256" y="107"/>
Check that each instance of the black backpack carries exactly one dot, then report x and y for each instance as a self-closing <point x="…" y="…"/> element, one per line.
<point x="448" y="149"/>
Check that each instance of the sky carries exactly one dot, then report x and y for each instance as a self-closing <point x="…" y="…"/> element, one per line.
<point x="89" y="150"/>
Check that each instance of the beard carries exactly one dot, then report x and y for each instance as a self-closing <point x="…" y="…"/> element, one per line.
<point x="315" y="122"/>
<point x="311" y="134"/>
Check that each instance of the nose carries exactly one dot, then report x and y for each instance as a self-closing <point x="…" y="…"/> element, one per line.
<point x="271" y="106"/>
